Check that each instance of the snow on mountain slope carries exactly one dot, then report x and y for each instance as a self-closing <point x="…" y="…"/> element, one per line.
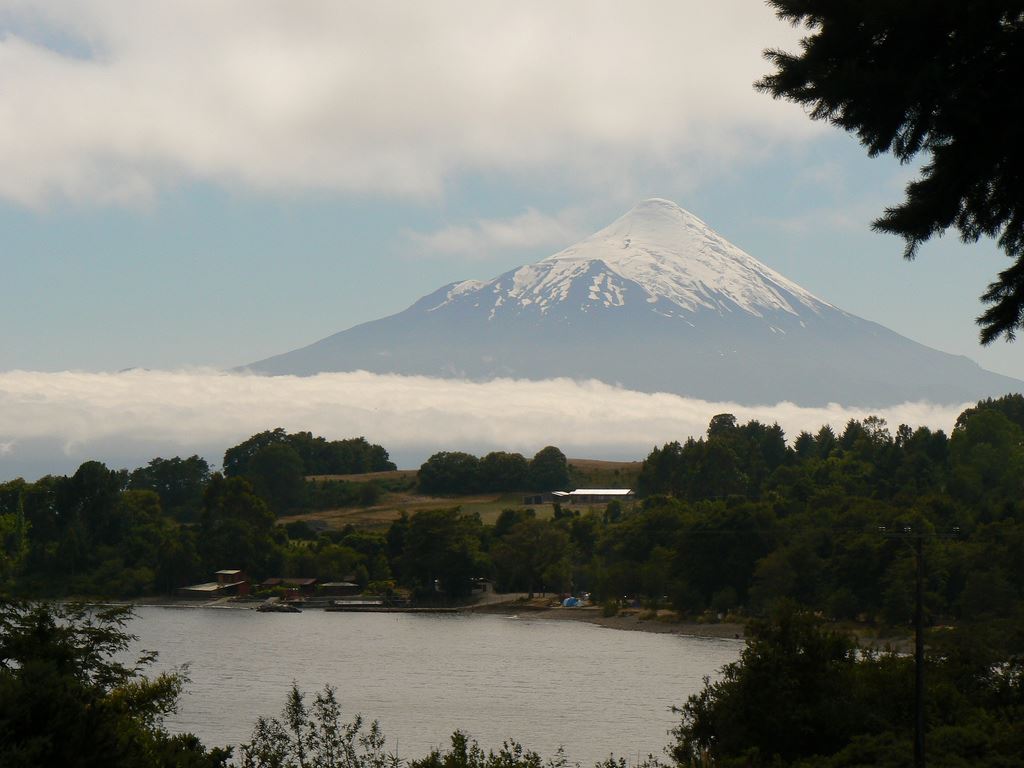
<point x="679" y="263"/>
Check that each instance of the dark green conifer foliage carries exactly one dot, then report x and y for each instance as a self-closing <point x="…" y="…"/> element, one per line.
<point x="941" y="78"/>
<point x="70" y="695"/>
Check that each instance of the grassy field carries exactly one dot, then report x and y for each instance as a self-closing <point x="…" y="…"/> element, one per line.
<point x="391" y="506"/>
<point x="584" y="473"/>
<point x="594" y="473"/>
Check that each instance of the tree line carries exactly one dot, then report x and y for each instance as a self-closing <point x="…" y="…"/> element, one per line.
<point x="277" y="464"/>
<point x="732" y="522"/>
<point x="116" y="533"/>
<point x="456" y="472"/>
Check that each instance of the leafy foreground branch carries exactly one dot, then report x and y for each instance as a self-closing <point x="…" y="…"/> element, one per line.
<point x="803" y="694"/>
<point x="66" y="700"/>
<point x="316" y="737"/>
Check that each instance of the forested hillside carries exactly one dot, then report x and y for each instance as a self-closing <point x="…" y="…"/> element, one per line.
<point x="732" y="522"/>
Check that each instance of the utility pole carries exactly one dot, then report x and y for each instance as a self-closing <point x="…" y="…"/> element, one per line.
<point x="919" y="654"/>
<point x="916" y="540"/>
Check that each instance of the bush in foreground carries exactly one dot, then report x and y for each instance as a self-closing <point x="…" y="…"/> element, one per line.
<point x="66" y="700"/>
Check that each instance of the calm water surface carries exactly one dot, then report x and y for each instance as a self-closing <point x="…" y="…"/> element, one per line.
<point x="545" y="683"/>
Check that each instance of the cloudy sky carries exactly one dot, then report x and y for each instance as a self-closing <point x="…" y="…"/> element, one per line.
<point x="195" y="184"/>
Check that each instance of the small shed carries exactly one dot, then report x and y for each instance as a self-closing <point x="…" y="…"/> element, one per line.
<point x="231" y="576"/>
<point x="202" y="591"/>
<point x="537" y="499"/>
<point x="229" y="582"/>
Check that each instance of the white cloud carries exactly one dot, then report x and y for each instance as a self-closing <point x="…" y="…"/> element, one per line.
<point x="531" y="229"/>
<point x="855" y="216"/>
<point x="836" y="219"/>
<point x="106" y="102"/>
<point x="162" y="413"/>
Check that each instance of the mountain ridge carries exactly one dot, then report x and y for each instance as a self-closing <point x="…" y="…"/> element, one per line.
<point x="655" y="301"/>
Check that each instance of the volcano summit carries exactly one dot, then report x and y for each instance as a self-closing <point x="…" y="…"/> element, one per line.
<point x="656" y="302"/>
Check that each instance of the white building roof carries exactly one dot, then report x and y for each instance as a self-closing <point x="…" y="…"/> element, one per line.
<point x="601" y="492"/>
<point x="210" y="586"/>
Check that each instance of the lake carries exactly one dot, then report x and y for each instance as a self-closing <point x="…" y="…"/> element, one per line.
<point x="542" y="682"/>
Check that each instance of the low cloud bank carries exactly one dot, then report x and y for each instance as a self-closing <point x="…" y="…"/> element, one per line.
<point x="50" y="422"/>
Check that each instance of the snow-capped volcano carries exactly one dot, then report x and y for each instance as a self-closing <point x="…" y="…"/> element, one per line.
<point x="656" y="301"/>
<point x="657" y="253"/>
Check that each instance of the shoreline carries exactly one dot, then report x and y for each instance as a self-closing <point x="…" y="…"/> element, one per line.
<point x="628" y="620"/>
